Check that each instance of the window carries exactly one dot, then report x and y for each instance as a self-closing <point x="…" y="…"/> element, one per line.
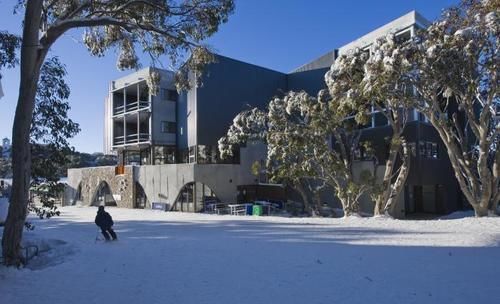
<point x="421" y="148"/>
<point x="404" y="36"/>
<point x="435" y="151"/>
<point x="429" y="150"/>
<point x="133" y="158"/>
<point x="171" y="95"/>
<point x="168" y="127"/>
<point x="428" y="147"/>
<point x="413" y="149"/>
<point x="192" y="154"/>
<point x="164" y="155"/>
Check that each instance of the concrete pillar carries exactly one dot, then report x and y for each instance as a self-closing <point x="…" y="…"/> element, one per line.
<point x="124" y="116"/>
<point x="138" y="128"/>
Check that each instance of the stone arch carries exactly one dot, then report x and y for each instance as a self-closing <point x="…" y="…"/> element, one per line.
<point x="194" y="197"/>
<point x="78" y="197"/>
<point x="121" y="186"/>
<point x="141" y="198"/>
<point x="103" y="196"/>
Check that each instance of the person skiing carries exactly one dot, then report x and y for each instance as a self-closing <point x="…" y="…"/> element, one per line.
<point x="105" y="222"/>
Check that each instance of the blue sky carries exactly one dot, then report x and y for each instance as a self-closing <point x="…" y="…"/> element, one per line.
<point x="277" y="34"/>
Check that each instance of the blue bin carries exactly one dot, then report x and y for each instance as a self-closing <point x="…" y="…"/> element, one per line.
<point x="249" y="209"/>
<point x="159" y="206"/>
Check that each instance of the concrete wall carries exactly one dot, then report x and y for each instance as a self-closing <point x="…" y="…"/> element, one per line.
<point x="162" y="183"/>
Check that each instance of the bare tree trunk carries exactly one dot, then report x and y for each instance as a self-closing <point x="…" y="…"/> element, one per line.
<point x="479" y="210"/>
<point x="384" y="196"/>
<point x="306" y="203"/>
<point x="400" y="182"/>
<point x="478" y="189"/>
<point x="350" y="204"/>
<point x="31" y="59"/>
<point x="316" y="205"/>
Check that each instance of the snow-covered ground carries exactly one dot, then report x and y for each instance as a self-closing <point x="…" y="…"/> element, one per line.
<point x="194" y="258"/>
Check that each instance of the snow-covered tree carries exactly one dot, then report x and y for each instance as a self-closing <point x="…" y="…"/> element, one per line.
<point x="374" y="81"/>
<point x="291" y="141"/>
<point x="455" y="73"/>
<point x="283" y="165"/>
<point x="298" y="131"/>
<point x="174" y="28"/>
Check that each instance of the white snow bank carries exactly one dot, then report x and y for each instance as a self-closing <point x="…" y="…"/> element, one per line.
<point x="171" y="257"/>
<point x="458" y="215"/>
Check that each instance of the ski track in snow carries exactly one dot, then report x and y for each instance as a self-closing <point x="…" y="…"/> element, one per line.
<point x="196" y="258"/>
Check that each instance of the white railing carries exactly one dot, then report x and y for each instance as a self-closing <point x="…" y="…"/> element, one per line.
<point x="131" y="139"/>
<point x="130" y="107"/>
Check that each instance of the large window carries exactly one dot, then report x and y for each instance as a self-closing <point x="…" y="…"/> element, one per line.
<point x="164" y="155"/>
<point x="168" y="127"/>
<point x="403" y="36"/>
<point x="133" y="158"/>
<point x="429" y="150"/>
<point x="207" y="155"/>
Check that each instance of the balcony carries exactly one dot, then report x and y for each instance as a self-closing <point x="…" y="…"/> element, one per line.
<point x="132" y="98"/>
<point x="131" y="129"/>
<point x="130" y="107"/>
<point x="131" y="139"/>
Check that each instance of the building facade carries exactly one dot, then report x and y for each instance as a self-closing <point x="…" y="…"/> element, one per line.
<point x="167" y="143"/>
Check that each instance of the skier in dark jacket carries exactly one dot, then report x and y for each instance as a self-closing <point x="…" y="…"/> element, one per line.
<point x="105" y="222"/>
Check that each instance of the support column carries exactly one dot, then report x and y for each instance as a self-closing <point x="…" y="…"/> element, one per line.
<point x="124" y="116"/>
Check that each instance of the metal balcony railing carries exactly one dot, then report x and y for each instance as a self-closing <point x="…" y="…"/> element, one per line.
<point x="129" y="107"/>
<point x="131" y="139"/>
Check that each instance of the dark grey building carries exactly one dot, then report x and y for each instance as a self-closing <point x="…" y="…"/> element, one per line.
<point x="179" y="132"/>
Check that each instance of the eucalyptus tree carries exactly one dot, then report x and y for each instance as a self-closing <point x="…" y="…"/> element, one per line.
<point x="360" y="85"/>
<point x="298" y="131"/>
<point x="175" y="28"/>
<point x="291" y="141"/>
<point x="9" y="44"/>
<point x="51" y="129"/>
<point x="284" y="157"/>
<point x="339" y="158"/>
<point x="455" y="72"/>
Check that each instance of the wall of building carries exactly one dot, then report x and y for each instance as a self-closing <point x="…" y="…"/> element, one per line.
<point x="322" y="62"/>
<point x="162" y="183"/>
<point x="406" y="21"/>
<point x="89" y="179"/>
<point x="229" y="87"/>
<point x="311" y="81"/>
<point x="163" y="110"/>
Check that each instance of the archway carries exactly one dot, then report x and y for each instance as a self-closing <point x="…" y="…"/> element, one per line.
<point x="78" y="195"/>
<point x="141" y="199"/>
<point x="103" y="196"/>
<point x="194" y="197"/>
